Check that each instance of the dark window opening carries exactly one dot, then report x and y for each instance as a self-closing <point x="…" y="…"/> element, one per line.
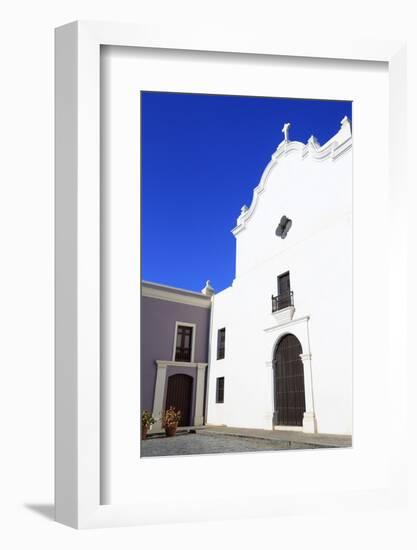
<point x="220" y="390"/>
<point x="285" y="295"/>
<point x="183" y="343"/>
<point x="221" y="343"/>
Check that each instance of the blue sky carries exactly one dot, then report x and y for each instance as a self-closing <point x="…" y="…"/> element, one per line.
<point x="202" y="156"/>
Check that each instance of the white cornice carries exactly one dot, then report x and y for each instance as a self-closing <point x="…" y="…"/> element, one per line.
<point x="150" y="284"/>
<point x="170" y="294"/>
<point x="334" y="148"/>
<point x="162" y="363"/>
<point x="287" y="323"/>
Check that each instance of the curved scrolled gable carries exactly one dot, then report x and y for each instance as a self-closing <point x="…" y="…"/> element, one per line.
<point x="334" y="148"/>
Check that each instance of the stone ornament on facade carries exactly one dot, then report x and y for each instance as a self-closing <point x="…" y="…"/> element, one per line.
<point x="283" y="227"/>
<point x="208" y="290"/>
<point x="285" y="130"/>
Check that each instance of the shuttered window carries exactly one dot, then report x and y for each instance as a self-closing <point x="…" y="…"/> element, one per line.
<point x="220" y="390"/>
<point x="221" y="343"/>
<point x="184" y="343"/>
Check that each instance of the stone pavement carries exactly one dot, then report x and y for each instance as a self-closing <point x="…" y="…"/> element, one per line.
<point x="216" y="439"/>
<point x="320" y="440"/>
<point x="203" y="443"/>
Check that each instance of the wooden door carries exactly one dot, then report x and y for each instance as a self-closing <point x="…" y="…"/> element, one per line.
<point x="179" y="395"/>
<point x="289" y="383"/>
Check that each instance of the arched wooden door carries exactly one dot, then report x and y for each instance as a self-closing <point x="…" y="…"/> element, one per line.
<point x="179" y="395"/>
<point x="290" y="402"/>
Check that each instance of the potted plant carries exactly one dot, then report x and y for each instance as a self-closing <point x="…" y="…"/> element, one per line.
<point x="170" y="419"/>
<point x="147" y="421"/>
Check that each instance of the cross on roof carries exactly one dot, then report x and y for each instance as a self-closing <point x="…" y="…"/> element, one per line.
<point x="285" y="129"/>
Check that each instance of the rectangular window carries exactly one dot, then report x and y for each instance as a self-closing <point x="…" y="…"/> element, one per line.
<point x="284" y="284"/>
<point x="220" y="390"/>
<point x="284" y="290"/>
<point x="184" y="343"/>
<point x="221" y="343"/>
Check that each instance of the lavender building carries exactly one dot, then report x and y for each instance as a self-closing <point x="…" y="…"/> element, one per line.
<point x="175" y="327"/>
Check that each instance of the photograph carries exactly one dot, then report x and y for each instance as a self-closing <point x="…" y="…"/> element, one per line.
<point x="246" y="274"/>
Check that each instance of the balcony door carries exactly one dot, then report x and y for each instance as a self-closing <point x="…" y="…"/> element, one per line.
<point x="284" y="290"/>
<point x="184" y="340"/>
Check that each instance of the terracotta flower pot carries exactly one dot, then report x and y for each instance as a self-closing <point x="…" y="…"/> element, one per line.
<point x="145" y="430"/>
<point x="171" y="430"/>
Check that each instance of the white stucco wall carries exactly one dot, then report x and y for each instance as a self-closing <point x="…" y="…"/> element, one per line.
<point x="312" y="185"/>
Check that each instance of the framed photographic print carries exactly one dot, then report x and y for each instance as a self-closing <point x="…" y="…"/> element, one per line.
<point x="228" y="220"/>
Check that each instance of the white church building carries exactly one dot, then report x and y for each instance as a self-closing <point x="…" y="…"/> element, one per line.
<point x="280" y="353"/>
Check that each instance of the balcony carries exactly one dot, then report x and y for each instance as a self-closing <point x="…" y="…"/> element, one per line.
<point x="282" y="301"/>
<point x="283" y="307"/>
<point x="183" y="355"/>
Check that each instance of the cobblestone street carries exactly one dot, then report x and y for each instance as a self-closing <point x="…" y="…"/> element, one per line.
<point x="209" y="443"/>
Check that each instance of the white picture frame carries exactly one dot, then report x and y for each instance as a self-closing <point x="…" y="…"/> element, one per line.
<point x="78" y="406"/>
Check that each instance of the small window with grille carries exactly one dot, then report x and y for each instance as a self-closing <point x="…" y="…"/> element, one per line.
<point x="220" y="390"/>
<point x="221" y="343"/>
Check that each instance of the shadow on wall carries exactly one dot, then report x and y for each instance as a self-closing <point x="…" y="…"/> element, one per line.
<point x="45" y="510"/>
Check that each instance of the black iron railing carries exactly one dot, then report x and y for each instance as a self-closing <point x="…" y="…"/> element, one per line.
<point x="183" y="354"/>
<point x="282" y="301"/>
